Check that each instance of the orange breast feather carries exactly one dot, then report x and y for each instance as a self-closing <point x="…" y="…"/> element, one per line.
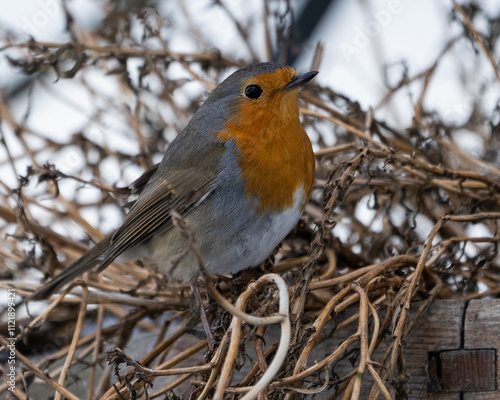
<point x="276" y="157"/>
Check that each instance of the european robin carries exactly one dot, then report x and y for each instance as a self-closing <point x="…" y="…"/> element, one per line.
<point x="240" y="172"/>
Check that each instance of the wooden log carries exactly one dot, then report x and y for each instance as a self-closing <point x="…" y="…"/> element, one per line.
<point x="452" y="353"/>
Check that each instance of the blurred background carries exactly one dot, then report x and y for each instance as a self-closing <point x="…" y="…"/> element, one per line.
<point x="93" y="91"/>
<point x="375" y="54"/>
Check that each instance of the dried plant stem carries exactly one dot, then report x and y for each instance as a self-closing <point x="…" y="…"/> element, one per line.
<point x="74" y="342"/>
<point x="249" y="319"/>
<point x="284" y="343"/>
<point x="131" y="52"/>
<point x="478" y="38"/>
<point x="355" y="266"/>
<point x="40" y="374"/>
<point x="96" y="352"/>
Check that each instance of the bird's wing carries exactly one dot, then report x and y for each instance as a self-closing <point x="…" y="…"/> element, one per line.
<point x="172" y="187"/>
<point x="178" y="185"/>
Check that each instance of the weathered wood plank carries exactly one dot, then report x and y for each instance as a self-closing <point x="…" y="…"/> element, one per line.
<point x="468" y="370"/>
<point x="451" y="354"/>
<point x="482" y="331"/>
<point x="438" y="329"/>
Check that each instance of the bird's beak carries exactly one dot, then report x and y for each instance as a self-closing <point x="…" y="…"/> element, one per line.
<point x="299" y="80"/>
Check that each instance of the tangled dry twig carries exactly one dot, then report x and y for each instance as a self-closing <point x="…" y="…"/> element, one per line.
<point x="392" y="220"/>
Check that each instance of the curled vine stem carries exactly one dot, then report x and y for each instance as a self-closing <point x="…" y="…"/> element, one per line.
<point x="238" y="317"/>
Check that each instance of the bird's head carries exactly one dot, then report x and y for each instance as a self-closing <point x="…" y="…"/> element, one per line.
<point x="259" y="92"/>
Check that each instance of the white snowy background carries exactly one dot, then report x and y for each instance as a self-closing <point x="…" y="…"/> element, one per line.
<point x="359" y="38"/>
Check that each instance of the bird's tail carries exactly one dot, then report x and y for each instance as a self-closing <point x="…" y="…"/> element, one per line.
<point x="86" y="262"/>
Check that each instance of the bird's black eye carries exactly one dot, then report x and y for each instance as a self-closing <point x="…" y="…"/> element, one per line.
<point x="253" y="91"/>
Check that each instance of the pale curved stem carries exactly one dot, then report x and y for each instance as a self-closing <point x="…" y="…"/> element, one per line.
<point x="238" y="317"/>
